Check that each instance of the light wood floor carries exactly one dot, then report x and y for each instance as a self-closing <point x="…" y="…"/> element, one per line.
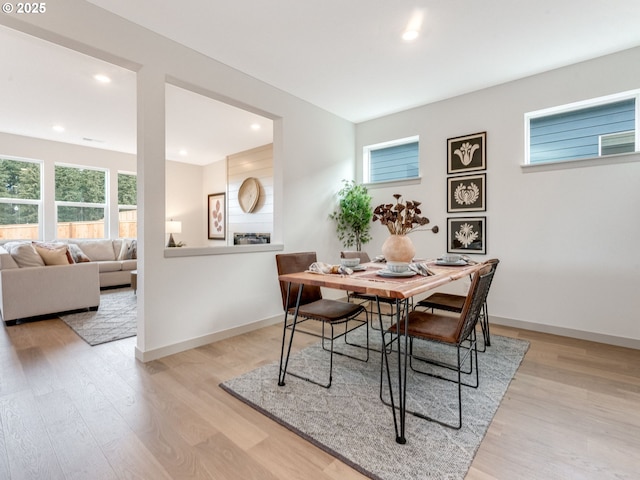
<point x="71" y="411"/>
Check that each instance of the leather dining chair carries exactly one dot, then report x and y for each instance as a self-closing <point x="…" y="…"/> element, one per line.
<point x="338" y="317"/>
<point x="452" y="330"/>
<point x="453" y="303"/>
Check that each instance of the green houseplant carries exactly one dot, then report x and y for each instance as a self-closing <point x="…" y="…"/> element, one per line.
<point x="353" y="215"/>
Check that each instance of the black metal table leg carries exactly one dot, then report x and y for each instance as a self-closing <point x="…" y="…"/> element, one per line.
<point x="398" y="423"/>
<point x="402" y="370"/>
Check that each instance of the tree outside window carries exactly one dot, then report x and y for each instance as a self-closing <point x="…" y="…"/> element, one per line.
<point x="20" y="199"/>
<point x="127" y="205"/>
<point x="80" y="201"/>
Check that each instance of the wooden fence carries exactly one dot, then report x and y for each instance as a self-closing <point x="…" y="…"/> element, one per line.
<point x="127" y="228"/>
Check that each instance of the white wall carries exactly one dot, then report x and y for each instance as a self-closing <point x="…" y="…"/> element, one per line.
<point x="565" y="237"/>
<point x="185" y="201"/>
<point x="188" y="301"/>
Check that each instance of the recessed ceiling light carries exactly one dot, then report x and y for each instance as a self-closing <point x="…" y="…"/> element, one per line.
<point x="255" y="126"/>
<point x="183" y="152"/>
<point x="413" y="27"/>
<point x="409" y="35"/>
<point x="102" y="78"/>
<point x="58" y="128"/>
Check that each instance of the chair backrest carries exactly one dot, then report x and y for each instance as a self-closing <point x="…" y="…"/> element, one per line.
<point x="494" y="266"/>
<point x="294" y="263"/>
<point x="476" y="297"/>
<point x="363" y="256"/>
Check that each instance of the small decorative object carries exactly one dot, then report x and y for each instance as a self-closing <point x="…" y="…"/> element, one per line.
<point x="467" y="154"/>
<point x="216" y="216"/>
<point x="400" y="219"/>
<point x="248" y="194"/>
<point x="467" y="235"/>
<point x="353" y="216"/>
<point x="466" y="194"/>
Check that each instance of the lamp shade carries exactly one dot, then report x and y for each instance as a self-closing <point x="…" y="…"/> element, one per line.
<point x="173" y="226"/>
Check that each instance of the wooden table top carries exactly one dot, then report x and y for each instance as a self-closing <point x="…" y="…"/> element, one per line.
<point x="367" y="281"/>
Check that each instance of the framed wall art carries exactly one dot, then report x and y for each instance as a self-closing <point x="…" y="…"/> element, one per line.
<point x="216" y="216"/>
<point x="467" y="235"/>
<point x="467" y="193"/>
<point x="467" y="154"/>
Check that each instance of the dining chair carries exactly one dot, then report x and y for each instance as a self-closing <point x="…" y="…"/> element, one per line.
<point x="370" y="301"/>
<point x="454" y="303"/>
<point x="305" y="303"/>
<point x="452" y="330"/>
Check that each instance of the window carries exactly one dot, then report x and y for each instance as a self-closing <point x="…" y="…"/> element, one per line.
<point x="20" y="199"/>
<point x="599" y="127"/>
<point x="396" y="160"/>
<point x="127" y="205"/>
<point x="80" y="202"/>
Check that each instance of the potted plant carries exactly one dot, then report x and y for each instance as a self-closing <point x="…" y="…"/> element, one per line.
<point x="400" y="219"/>
<point x="353" y="215"/>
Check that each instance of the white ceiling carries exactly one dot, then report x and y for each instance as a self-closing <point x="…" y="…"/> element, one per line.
<point x="345" y="56"/>
<point x="59" y="89"/>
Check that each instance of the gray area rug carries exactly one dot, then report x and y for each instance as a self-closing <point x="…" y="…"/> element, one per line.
<point x="350" y="422"/>
<point x="116" y="318"/>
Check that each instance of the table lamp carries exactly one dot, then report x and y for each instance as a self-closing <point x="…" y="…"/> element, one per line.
<point x="171" y="228"/>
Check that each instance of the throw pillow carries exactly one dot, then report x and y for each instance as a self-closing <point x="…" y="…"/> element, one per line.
<point x="98" y="250"/>
<point x="24" y="254"/>
<point x="132" y="250"/>
<point x="53" y="253"/>
<point x="120" y="246"/>
<point x="77" y="254"/>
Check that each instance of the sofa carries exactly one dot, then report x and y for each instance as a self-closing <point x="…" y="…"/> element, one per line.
<point x="116" y="258"/>
<point x="38" y="278"/>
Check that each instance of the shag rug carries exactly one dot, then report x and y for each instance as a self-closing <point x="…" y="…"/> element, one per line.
<point x="350" y="422"/>
<point x="116" y="318"/>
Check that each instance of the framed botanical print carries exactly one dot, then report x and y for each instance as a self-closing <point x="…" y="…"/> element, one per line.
<point x="467" y="235"/>
<point x="467" y="193"/>
<point x="467" y="154"/>
<point x="216" y="216"/>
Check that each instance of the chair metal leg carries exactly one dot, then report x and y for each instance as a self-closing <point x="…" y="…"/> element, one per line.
<point x="473" y="353"/>
<point x="283" y="371"/>
<point x="284" y="360"/>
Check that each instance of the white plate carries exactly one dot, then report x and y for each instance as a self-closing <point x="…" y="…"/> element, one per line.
<point x="459" y="263"/>
<point x="358" y="268"/>
<point x="388" y="273"/>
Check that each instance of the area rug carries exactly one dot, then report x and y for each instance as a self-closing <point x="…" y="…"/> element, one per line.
<point x="350" y="422"/>
<point x="116" y="318"/>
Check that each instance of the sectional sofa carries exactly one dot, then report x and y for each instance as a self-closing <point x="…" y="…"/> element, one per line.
<point x="38" y="278"/>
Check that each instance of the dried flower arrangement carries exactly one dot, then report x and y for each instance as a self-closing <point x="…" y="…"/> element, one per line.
<point x="400" y="218"/>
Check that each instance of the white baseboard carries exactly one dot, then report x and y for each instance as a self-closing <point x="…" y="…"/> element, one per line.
<point x="507" y="322"/>
<point x="157" y="353"/>
<point x="567" y="332"/>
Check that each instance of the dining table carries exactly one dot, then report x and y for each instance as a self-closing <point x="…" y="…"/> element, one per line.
<point x="373" y="279"/>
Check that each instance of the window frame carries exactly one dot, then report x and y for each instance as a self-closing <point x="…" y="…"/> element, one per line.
<point x="104" y="205"/>
<point x="577" y="106"/>
<point x="24" y="201"/>
<point x="366" y="160"/>
<point x="122" y="206"/>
